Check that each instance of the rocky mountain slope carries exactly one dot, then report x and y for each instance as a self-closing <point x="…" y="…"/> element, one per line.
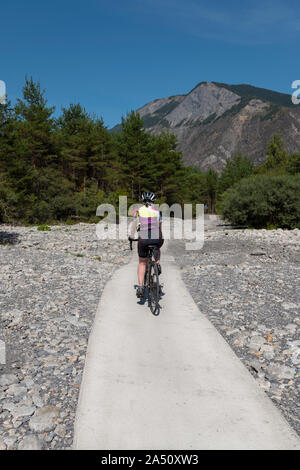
<point x="215" y="120"/>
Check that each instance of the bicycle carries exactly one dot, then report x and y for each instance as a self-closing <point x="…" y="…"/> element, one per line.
<point x="151" y="280"/>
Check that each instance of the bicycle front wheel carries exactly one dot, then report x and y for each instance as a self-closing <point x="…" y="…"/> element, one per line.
<point x="153" y="293"/>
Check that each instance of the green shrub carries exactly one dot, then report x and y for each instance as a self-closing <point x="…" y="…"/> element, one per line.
<point x="70" y="222"/>
<point x="264" y="201"/>
<point x="293" y="163"/>
<point x="44" y="227"/>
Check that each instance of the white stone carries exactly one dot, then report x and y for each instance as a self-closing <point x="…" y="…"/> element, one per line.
<point x="281" y="372"/>
<point x="18" y="410"/>
<point x="256" y="342"/>
<point x="2" y="444"/>
<point x="2" y="352"/>
<point x="289" y="305"/>
<point x="44" y="419"/>
<point x="8" y="379"/>
<point x="30" y="442"/>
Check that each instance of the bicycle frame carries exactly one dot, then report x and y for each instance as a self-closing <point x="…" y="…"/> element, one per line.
<point x="151" y="280"/>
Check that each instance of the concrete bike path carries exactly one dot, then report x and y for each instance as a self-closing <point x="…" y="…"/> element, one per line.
<point x="168" y="382"/>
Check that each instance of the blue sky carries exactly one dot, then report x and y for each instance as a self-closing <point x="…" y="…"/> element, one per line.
<point x="113" y="56"/>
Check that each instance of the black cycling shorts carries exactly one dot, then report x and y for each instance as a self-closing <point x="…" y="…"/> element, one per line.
<point x="143" y="246"/>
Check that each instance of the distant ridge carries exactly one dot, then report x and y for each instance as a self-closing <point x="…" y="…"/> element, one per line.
<point x="216" y="120"/>
<point x="249" y="91"/>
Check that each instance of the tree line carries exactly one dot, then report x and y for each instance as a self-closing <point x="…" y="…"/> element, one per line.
<point x="266" y="196"/>
<point x="59" y="169"/>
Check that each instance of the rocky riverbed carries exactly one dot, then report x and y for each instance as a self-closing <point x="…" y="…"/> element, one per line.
<point x="247" y="283"/>
<point x="50" y="286"/>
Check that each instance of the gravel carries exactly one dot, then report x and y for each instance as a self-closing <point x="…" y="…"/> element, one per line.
<point x="244" y="281"/>
<point x="50" y="286"/>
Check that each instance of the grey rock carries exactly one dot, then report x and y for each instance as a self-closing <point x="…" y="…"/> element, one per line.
<point x="277" y="371"/>
<point x="37" y="400"/>
<point x="9" y="441"/>
<point x="295" y="359"/>
<point x="18" y="410"/>
<point x="30" y="442"/>
<point x="264" y="384"/>
<point x="16" y="390"/>
<point x="29" y="383"/>
<point x="255" y="365"/>
<point x="256" y="342"/>
<point x="8" y="379"/>
<point x="240" y="339"/>
<point x="292" y="327"/>
<point x="267" y="351"/>
<point x="49" y="437"/>
<point x="44" y="419"/>
<point x="60" y="430"/>
<point x="2" y="444"/>
<point x="289" y="305"/>
<point x="14" y="317"/>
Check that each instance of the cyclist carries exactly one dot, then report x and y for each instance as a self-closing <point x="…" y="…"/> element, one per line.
<point x="147" y="221"/>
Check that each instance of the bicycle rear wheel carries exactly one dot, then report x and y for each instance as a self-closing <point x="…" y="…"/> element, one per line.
<point x="154" y="289"/>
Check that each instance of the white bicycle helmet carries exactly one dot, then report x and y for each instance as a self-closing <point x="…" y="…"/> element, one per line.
<point x="148" y="196"/>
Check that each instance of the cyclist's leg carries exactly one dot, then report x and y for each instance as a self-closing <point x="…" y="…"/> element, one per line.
<point x="141" y="270"/>
<point x="143" y="253"/>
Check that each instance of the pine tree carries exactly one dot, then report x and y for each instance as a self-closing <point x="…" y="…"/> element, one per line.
<point x="192" y="186"/>
<point x="75" y="128"/>
<point x="31" y="151"/>
<point x="236" y="168"/>
<point x="293" y="164"/>
<point x="7" y="193"/>
<point x="211" y="188"/>
<point x="166" y="169"/>
<point x="104" y="163"/>
<point x="276" y="157"/>
<point x="135" y="153"/>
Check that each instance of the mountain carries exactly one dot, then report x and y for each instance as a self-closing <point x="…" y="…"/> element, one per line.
<point x="215" y="120"/>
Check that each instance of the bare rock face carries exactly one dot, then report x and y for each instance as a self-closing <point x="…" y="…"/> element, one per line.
<point x="214" y="121"/>
<point x="157" y="105"/>
<point x="204" y="101"/>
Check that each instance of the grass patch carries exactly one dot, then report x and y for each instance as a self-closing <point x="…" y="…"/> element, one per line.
<point x="44" y="228"/>
<point x="71" y="222"/>
<point x="78" y="255"/>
